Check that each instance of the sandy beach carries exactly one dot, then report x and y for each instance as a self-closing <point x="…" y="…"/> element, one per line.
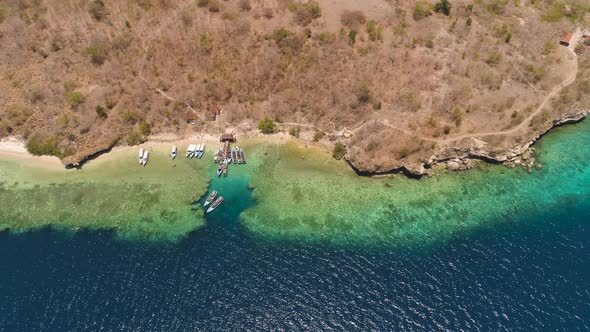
<point x="13" y="148"/>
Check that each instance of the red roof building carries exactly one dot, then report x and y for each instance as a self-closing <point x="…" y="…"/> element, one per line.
<point x="566" y="39"/>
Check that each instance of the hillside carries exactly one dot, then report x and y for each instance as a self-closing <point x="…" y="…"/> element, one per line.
<point x="397" y="81"/>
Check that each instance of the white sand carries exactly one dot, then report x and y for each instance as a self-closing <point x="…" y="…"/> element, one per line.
<point x="13" y="148"/>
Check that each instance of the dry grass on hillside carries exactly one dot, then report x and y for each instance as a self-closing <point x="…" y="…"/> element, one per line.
<point x="78" y="75"/>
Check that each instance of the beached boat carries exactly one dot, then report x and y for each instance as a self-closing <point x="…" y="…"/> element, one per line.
<point x="219" y="171"/>
<point x="242" y="156"/>
<point x="189" y="150"/>
<point x="193" y="151"/>
<point x="145" y="158"/>
<point x="201" y="151"/>
<point x="173" y="153"/>
<point x="234" y="155"/>
<point x="215" y="204"/>
<point x="141" y="156"/>
<point x="210" y="198"/>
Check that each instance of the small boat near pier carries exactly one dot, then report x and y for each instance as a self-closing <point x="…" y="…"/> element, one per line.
<point x="145" y="157"/>
<point x="201" y="151"/>
<point x="210" y="198"/>
<point x="141" y="156"/>
<point x="242" y="156"/>
<point x="215" y="204"/>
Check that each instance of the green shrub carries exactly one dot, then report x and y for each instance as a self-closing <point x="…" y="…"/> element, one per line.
<point x="109" y="103"/>
<point x="457" y="116"/>
<point x="494" y="58"/>
<point x="410" y="102"/>
<point x="97" y="9"/>
<point x="305" y="12"/>
<point x="339" y="151"/>
<point x="97" y="53"/>
<point x="135" y="138"/>
<point x="447" y="129"/>
<point x="287" y="41"/>
<point x="63" y="121"/>
<point x="128" y="116"/>
<point x="404" y="151"/>
<point x="443" y="6"/>
<point x="375" y="30"/>
<point x="145" y="128"/>
<point x="535" y="74"/>
<point x="75" y="98"/>
<point x="503" y="32"/>
<point x="352" y="37"/>
<point x="497" y="7"/>
<point x="100" y="112"/>
<point x="279" y="35"/>
<point x="205" y="42"/>
<point x="422" y="9"/>
<point x="295" y="132"/>
<point x="318" y="136"/>
<point x="267" y="126"/>
<point x="363" y="94"/>
<point x="311" y="6"/>
<point x="43" y="147"/>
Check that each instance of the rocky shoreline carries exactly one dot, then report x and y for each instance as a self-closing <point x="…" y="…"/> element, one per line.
<point x="463" y="158"/>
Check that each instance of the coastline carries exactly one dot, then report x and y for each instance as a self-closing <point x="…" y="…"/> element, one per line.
<point x="451" y="158"/>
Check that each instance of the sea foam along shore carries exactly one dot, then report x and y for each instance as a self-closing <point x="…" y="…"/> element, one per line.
<point x="110" y="192"/>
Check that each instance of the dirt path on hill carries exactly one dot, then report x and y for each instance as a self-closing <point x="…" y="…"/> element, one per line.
<point x="572" y="74"/>
<point x="573" y="71"/>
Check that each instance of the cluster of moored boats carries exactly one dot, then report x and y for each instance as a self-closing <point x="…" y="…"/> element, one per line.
<point x="195" y="150"/>
<point x="227" y="156"/>
<point x="223" y="157"/>
<point x="214" y="202"/>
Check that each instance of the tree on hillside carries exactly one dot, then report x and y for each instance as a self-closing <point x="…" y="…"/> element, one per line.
<point x="443" y="6"/>
<point x="267" y="126"/>
<point x="97" y="9"/>
<point x="339" y="151"/>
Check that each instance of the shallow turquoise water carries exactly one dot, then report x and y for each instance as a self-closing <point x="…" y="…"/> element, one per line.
<point x="304" y="195"/>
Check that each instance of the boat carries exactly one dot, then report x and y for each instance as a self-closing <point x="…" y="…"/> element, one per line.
<point x="201" y="151"/>
<point x="189" y="150"/>
<point x="210" y="198"/>
<point x="215" y="204"/>
<point x="234" y="155"/>
<point x="173" y="153"/>
<point x="237" y="160"/>
<point x="193" y="148"/>
<point x="224" y="168"/>
<point x="216" y="155"/>
<point x="242" y="156"/>
<point x="219" y="171"/>
<point x="145" y="158"/>
<point x="141" y="156"/>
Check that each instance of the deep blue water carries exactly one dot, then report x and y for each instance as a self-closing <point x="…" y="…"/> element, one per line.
<point x="528" y="275"/>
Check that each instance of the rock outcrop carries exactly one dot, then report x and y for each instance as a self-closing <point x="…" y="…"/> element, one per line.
<point x="460" y="156"/>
